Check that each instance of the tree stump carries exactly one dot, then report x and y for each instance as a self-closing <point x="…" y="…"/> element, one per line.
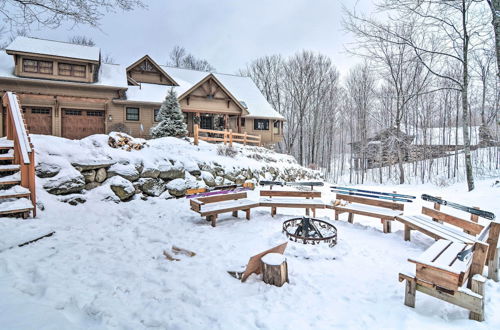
<point x="274" y="269"/>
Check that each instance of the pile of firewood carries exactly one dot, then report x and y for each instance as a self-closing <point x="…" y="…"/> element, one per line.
<point x="125" y="141"/>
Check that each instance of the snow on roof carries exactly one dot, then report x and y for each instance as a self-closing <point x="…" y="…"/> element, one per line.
<point x="242" y="88"/>
<point x="54" y="48"/>
<point x="112" y="75"/>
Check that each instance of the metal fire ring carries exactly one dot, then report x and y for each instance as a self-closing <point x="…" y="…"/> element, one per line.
<point x="310" y="231"/>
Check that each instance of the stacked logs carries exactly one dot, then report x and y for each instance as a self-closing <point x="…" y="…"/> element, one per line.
<point x="125" y="141"/>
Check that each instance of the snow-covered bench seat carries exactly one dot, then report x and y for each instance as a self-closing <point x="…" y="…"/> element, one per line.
<point x="211" y="206"/>
<point x="309" y="200"/>
<point x="386" y="211"/>
<point x="450" y="271"/>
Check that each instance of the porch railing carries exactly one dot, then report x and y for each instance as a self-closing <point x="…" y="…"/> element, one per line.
<point x="225" y="136"/>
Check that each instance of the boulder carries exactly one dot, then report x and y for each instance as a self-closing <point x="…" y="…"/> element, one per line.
<point x="92" y="185"/>
<point x="219" y="181"/>
<point x="171" y="172"/>
<point x="240" y="179"/>
<point x="101" y="175"/>
<point x="65" y="183"/>
<point x="149" y="172"/>
<point x="153" y="187"/>
<point x="208" y="178"/>
<point x="122" y="188"/>
<point x="177" y="187"/>
<point x="74" y="200"/>
<point x="127" y="171"/>
<point x="89" y="175"/>
<point x="92" y="164"/>
<point x="46" y="170"/>
<point x="192" y="168"/>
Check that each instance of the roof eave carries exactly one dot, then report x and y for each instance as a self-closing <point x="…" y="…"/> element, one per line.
<point x="16" y="52"/>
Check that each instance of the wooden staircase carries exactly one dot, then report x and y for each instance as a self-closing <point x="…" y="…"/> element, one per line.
<point x="17" y="164"/>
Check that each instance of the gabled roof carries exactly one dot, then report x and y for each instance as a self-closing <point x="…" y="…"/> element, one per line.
<point x="53" y="48"/>
<point x="155" y="65"/>
<point x="243" y="89"/>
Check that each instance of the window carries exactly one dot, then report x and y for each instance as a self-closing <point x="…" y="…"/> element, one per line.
<point x="41" y="111"/>
<point x="37" y="66"/>
<point x="242" y="122"/>
<point x="95" y="113"/>
<point x="276" y="124"/>
<point x="73" y="112"/>
<point x="261" y="124"/>
<point x="206" y="122"/>
<point x="156" y="112"/>
<point x="73" y="70"/>
<point x="132" y="114"/>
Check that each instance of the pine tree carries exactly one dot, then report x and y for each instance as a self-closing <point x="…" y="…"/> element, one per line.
<point x="170" y="117"/>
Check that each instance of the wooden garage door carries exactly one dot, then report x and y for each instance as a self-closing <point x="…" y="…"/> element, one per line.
<point x="38" y="119"/>
<point x="77" y="124"/>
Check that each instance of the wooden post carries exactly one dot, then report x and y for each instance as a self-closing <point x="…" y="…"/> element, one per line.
<point x="247" y="214"/>
<point x="230" y="137"/>
<point x="478" y="287"/>
<point x="245" y="139"/>
<point x="196" y="132"/>
<point x="274" y="269"/>
<point x="350" y="218"/>
<point x="224" y="136"/>
<point x="235" y="214"/>
<point x="437" y="207"/>
<point x="493" y="266"/>
<point x="479" y="257"/>
<point x="407" y="233"/>
<point x="386" y="225"/>
<point x="410" y="293"/>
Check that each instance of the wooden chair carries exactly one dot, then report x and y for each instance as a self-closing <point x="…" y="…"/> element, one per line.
<point x="212" y="206"/>
<point x="291" y="199"/>
<point x="386" y="211"/>
<point x="442" y="274"/>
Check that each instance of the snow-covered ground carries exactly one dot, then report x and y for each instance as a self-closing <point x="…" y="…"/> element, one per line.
<point x="104" y="269"/>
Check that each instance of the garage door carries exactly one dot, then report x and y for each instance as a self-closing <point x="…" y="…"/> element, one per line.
<point x="38" y="120"/>
<point x="77" y="124"/>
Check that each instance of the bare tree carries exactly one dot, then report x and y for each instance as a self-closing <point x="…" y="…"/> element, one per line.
<point x="495" y="20"/>
<point x="81" y="40"/>
<point x="180" y="58"/>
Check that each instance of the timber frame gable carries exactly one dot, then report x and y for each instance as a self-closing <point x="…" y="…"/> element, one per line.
<point x="146" y="70"/>
<point x="212" y="89"/>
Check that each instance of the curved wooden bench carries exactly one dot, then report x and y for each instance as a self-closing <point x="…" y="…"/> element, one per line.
<point x="293" y="199"/>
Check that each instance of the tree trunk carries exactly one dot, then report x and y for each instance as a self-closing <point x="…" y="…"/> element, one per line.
<point x="465" y="106"/>
<point x="495" y="12"/>
<point x="274" y="269"/>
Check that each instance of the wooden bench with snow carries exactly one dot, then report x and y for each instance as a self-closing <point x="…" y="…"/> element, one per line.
<point x="308" y="200"/>
<point x="385" y="210"/>
<point x="450" y="271"/>
<point x="441" y="225"/>
<point x="212" y="206"/>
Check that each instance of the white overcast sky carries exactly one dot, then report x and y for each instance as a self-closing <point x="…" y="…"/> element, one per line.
<point x="228" y="33"/>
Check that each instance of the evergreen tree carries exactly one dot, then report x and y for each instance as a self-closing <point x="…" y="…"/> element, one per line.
<point x="170" y="117"/>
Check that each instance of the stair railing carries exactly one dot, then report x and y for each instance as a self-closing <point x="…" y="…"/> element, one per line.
<point x="24" y="153"/>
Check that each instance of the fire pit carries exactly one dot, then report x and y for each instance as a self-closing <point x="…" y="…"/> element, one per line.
<point x="310" y="231"/>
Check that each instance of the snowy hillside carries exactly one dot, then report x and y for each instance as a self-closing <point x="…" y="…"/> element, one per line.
<point x="104" y="268"/>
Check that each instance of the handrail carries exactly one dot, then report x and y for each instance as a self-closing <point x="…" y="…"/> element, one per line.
<point x="227" y="136"/>
<point x="24" y="153"/>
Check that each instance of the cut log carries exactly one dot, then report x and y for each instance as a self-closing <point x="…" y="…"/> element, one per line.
<point x="274" y="269"/>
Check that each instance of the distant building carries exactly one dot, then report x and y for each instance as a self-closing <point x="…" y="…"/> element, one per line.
<point x="66" y="90"/>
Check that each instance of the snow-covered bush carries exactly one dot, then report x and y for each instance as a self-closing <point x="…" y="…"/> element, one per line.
<point x="170" y="117"/>
<point x="223" y="150"/>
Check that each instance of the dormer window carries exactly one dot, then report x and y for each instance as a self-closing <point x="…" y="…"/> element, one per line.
<point x="36" y="66"/>
<point x="210" y="96"/>
<point x="72" y="70"/>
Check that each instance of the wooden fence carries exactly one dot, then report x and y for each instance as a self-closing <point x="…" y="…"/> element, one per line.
<point x="24" y="154"/>
<point x="226" y="136"/>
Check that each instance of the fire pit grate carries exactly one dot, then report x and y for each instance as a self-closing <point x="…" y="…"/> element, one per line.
<point x="310" y="231"/>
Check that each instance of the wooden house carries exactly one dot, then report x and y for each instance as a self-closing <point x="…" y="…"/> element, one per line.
<point x="66" y="90"/>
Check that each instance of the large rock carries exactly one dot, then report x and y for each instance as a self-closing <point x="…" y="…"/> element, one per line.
<point x="240" y="179"/>
<point x="127" y="171"/>
<point x="122" y="188"/>
<point x="92" y="185"/>
<point x="101" y="175"/>
<point x="177" y="187"/>
<point x="89" y="175"/>
<point x="46" y="170"/>
<point x="149" y="172"/>
<point x="171" y="172"/>
<point x="192" y="168"/>
<point x="208" y="178"/>
<point x="64" y="183"/>
<point x="92" y="164"/>
<point x="153" y="187"/>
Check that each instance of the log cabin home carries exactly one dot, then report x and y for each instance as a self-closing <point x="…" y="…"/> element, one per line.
<point x="66" y="90"/>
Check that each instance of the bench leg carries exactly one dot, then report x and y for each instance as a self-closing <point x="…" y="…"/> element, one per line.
<point x="235" y="214"/>
<point x="407" y="233"/>
<point x="493" y="267"/>
<point x="336" y="215"/>
<point x="307" y="212"/>
<point x="410" y="293"/>
<point x="350" y="218"/>
<point x="386" y="224"/>
<point x="213" y="218"/>
<point x="314" y="213"/>
<point x="478" y="287"/>
<point x="248" y="214"/>
<point x="273" y="211"/>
